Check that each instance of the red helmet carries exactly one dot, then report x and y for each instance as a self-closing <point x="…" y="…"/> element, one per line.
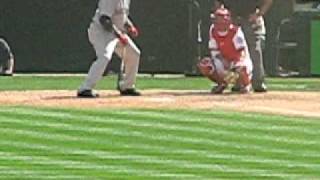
<point x="222" y="19"/>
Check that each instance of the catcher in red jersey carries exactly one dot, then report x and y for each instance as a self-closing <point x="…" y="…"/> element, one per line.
<point x="230" y="60"/>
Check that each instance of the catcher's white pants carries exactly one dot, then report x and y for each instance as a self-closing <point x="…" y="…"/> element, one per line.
<point x="105" y="44"/>
<point x="222" y="66"/>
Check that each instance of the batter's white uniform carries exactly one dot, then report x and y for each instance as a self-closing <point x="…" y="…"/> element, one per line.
<point x="239" y="42"/>
<point x="106" y="43"/>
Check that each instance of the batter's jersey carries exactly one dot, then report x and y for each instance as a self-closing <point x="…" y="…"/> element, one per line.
<point x="117" y="10"/>
<point x="230" y="45"/>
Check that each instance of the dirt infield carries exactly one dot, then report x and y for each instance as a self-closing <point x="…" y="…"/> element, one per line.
<point x="286" y="103"/>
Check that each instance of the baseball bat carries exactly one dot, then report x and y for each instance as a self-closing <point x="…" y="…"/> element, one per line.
<point x="120" y="76"/>
<point x="121" y="69"/>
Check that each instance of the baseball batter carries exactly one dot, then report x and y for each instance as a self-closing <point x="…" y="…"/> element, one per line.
<point x="229" y="55"/>
<point x="108" y="34"/>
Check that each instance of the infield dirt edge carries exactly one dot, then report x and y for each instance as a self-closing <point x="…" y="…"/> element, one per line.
<point x="304" y="104"/>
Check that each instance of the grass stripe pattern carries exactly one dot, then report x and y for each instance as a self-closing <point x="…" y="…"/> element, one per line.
<point x="156" y="144"/>
<point x="71" y="82"/>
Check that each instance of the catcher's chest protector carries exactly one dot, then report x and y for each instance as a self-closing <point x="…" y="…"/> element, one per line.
<point x="226" y="45"/>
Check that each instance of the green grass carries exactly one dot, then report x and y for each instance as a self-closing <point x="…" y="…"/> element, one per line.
<point x="190" y="83"/>
<point x="43" y="143"/>
<point x="155" y="144"/>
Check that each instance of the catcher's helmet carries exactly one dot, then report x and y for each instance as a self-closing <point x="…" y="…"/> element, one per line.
<point x="222" y="19"/>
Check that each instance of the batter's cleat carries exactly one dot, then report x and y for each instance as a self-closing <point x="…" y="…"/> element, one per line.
<point x="261" y="89"/>
<point x="219" y="89"/>
<point x="7" y="74"/>
<point x="87" y="94"/>
<point x="130" y="92"/>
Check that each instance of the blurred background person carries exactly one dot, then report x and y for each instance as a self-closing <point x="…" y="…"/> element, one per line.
<point x="6" y="59"/>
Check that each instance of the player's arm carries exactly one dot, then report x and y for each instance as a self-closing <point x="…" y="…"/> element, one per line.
<point x="106" y="22"/>
<point x="108" y="25"/>
<point x="106" y="11"/>
<point x="240" y="44"/>
<point x="265" y="6"/>
<point x="213" y="46"/>
<point x="132" y="29"/>
<point x="215" y="54"/>
<point x="263" y="9"/>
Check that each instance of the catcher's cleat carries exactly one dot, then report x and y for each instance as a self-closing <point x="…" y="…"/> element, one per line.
<point x="130" y="92"/>
<point x="245" y="90"/>
<point x="219" y="89"/>
<point x="87" y="94"/>
<point x="235" y="88"/>
<point x="261" y="89"/>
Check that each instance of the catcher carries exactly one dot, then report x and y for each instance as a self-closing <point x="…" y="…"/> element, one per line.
<point x="230" y="60"/>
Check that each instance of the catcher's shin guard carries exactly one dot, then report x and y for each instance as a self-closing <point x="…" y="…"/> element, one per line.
<point x="244" y="77"/>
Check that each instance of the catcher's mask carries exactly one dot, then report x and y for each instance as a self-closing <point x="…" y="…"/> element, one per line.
<point x="222" y="19"/>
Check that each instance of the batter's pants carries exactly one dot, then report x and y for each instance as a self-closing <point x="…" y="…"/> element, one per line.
<point x="105" y="44"/>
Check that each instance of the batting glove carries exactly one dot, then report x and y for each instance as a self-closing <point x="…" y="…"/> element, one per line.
<point x="123" y="39"/>
<point x="133" y="31"/>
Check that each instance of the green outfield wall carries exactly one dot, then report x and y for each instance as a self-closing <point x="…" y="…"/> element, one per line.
<point x="46" y="35"/>
<point x="315" y="47"/>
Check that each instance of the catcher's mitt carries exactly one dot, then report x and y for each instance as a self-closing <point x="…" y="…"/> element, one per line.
<point x="231" y="77"/>
<point x="206" y="66"/>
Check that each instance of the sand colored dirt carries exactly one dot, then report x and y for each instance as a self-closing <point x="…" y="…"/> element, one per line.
<point x="304" y="104"/>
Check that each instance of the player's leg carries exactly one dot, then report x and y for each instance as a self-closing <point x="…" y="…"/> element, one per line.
<point x="214" y="70"/>
<point x="255" y="49"/>
<point x="244" y="80"/>
<point x="130" y="55"/>
<point x="8" y="70"/>
<point x="104" y="44"/>
<point x="219" y="74"/>
<point x="244" y="68"/>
